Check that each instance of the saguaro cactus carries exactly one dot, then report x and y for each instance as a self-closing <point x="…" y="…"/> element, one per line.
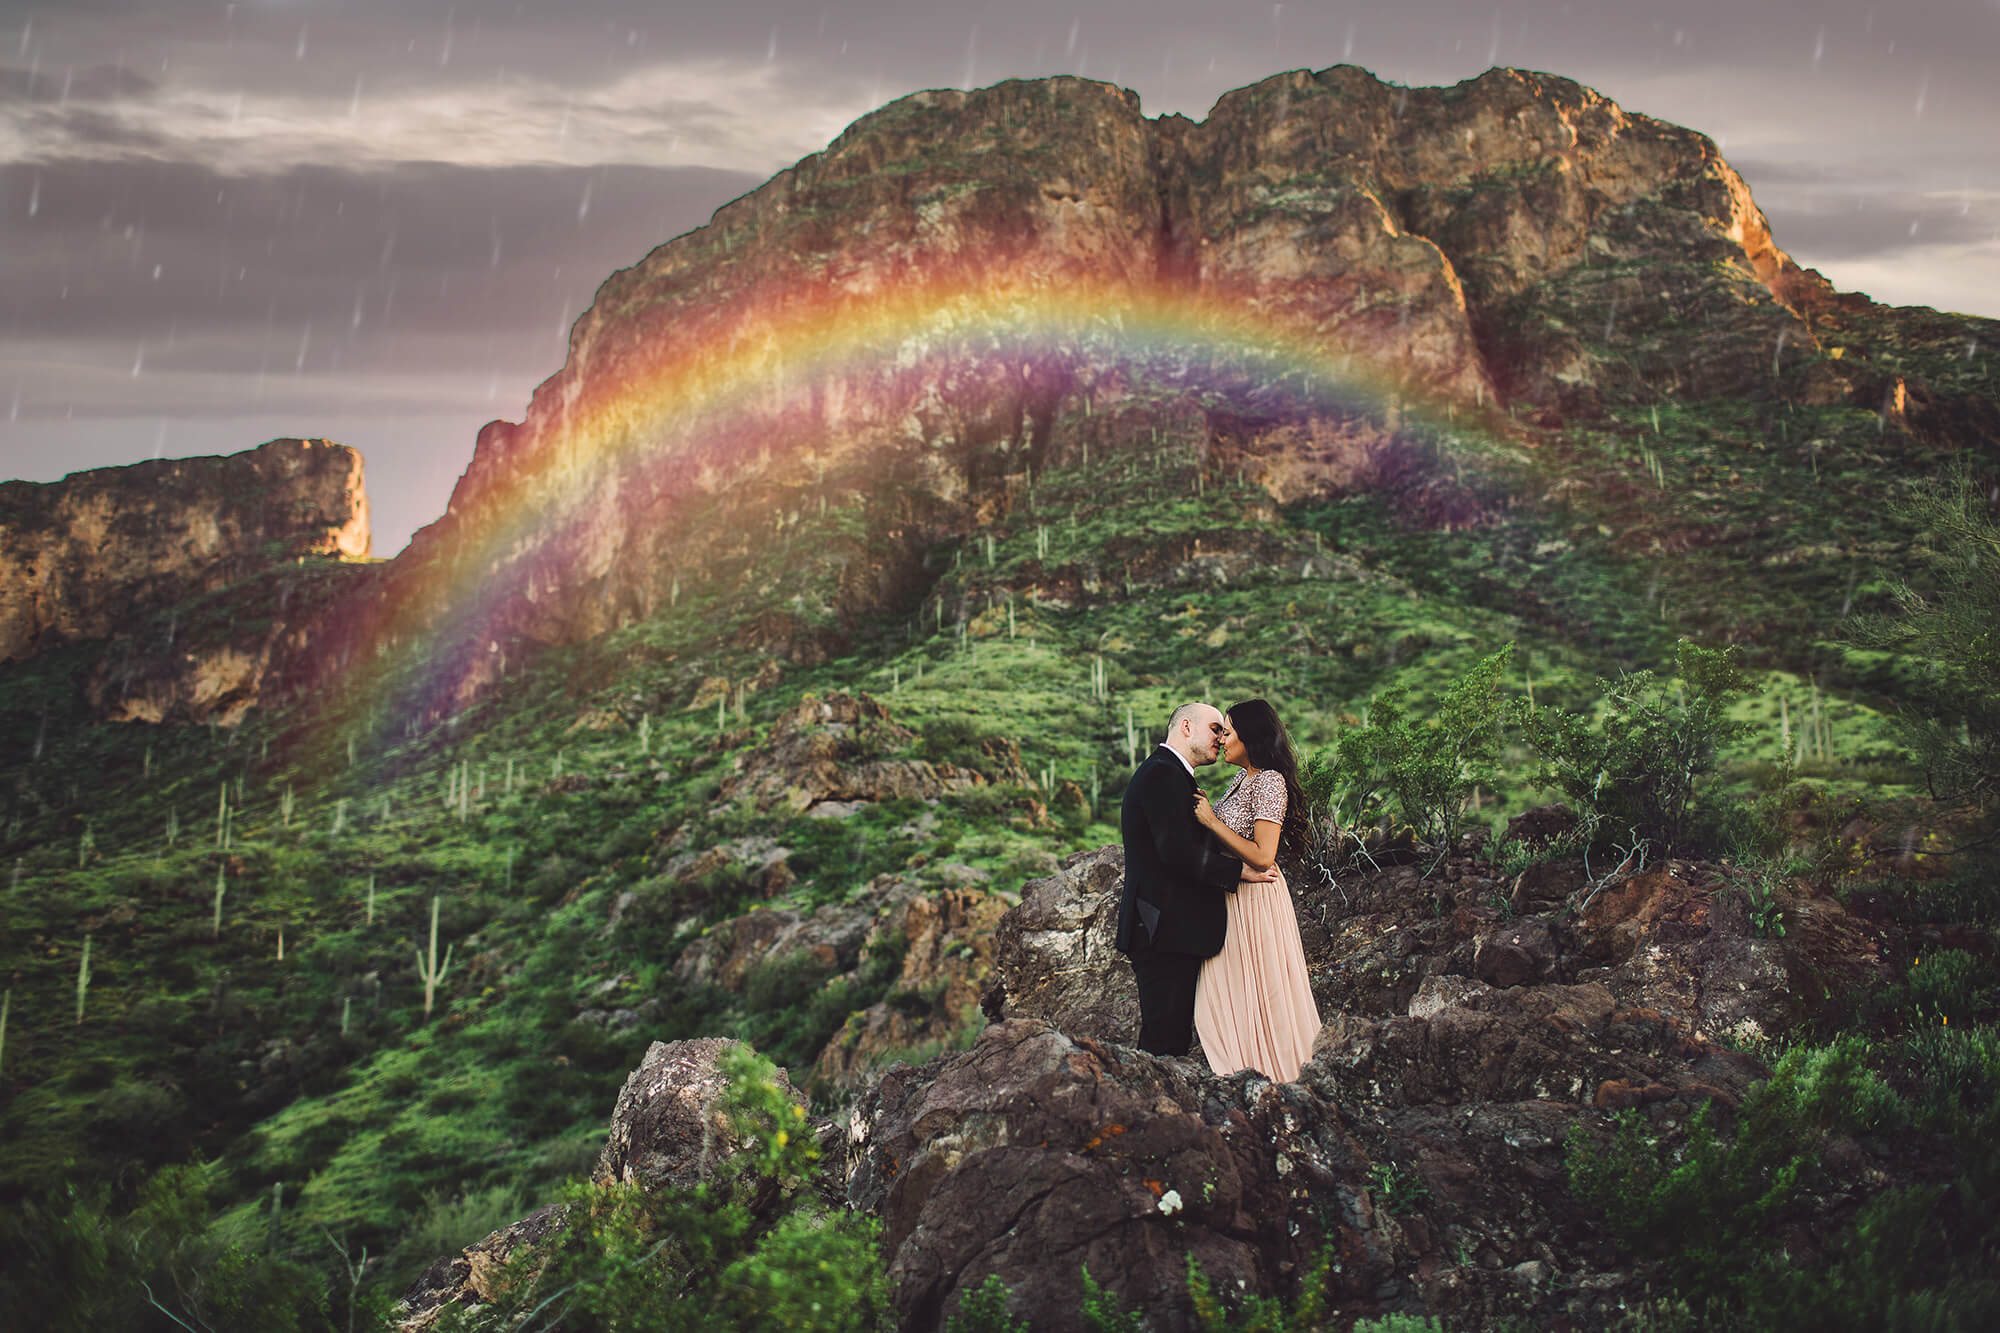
<point x="82" y="979"/>
<point x="431" y="970"/>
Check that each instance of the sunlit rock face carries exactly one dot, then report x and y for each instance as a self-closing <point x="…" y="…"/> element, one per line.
<point x="965" y="288"/>
<point x="95" y="554"/>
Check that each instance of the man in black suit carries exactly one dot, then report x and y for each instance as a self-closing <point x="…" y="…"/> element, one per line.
<point x="1173" y="912"/>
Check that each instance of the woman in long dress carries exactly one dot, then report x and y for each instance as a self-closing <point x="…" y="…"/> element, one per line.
<point x="1253" y="1007"/>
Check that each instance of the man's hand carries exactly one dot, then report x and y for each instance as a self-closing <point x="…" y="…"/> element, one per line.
<point x="1252" y="875"/>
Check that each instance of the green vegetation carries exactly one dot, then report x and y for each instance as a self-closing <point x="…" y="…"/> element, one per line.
<point x="1632" y="772"/>
<point x="1719" y="1211"/>
<point x="1213" y="1311"/>
<point x="1430" y="762"/>
<point x="750" y="1247"/>
<point x="1950" y="625"/>
<point x="1489" y="629"/>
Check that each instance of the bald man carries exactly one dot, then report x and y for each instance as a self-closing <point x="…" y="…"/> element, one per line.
<point x="1173" y="911"/>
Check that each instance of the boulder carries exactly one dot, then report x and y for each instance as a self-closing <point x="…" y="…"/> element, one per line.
<point x="1056" y="957"/>
<point x="1518" y="953"/>
<point x="1035" y="1156"/>
<point x="467" y="1278"/>
<point x="666" y="1132"/>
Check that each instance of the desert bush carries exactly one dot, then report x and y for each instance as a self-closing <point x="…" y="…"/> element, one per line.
<point x="983" y="1309"/>
<point x="1427" y="765"/>
<point x="1950" y="628"/>
<point x="1399" y="1323"/>
<point x="1954" y="1073"/>
<point x="78" y="1266"/>
<point x="1634" y="770"/>
<point x="1213" y="1313"/>
<point x="795" y="1009"/>
<point x="633" y="836"/>
<point x="952" y="740"/>
<point x="749" y="1248"/>
<point x="1709" y="1207"/>
<point x="1102" y="1312"/>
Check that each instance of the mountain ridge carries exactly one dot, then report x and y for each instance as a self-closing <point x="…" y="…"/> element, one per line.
<point x="777" y="677"/>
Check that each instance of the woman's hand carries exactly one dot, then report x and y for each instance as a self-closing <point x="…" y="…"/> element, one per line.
<point x="1204" y="813"/>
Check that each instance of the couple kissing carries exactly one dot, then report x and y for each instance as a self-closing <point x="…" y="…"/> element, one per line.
<point x="1206" y="917"/>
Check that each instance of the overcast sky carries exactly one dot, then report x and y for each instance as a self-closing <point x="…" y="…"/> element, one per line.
<point x="374" y="220"/>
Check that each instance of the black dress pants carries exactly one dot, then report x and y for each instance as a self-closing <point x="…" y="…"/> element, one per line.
<point x="1166" y="999"/>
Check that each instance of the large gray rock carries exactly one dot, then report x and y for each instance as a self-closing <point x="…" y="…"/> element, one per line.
<point x="667" y="1131"/>
<point x="1035" y="1156"/>
<point x="1057" y="960"/>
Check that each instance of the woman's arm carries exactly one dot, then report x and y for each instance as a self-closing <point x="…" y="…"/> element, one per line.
<point x="1261" y="854"/>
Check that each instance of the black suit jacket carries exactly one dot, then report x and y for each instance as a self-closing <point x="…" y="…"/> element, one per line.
<point x="1172" y="865"/>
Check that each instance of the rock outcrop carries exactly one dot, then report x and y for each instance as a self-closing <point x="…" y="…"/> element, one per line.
<point x="1056" y="957"/>
<point x="878" y="349"/>
<point x="1675" y="939"/>
<point x="940" y="934"/>
<point x="98" y="552"/>
<point x="844" y="749"/>
<point x="1421" y="1157"/>
<point x="666" y="1134"/>
<point x="665" y="1131"/>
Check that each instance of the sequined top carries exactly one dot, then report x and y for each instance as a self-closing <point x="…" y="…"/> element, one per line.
<point x="1261" y="797"/>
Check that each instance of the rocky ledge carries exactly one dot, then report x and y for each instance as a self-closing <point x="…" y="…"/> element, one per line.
<point x="1475" y="1026"/>
<point x="87" y="556"/>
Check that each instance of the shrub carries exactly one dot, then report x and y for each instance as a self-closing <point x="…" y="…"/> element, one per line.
<point x="952" y="740"/>
<point x="1952" y="630"/>
<point x="1635" y="769"/>
<point x="79" y="1267"/>
<point x="748" y="1248"/>
<point x="1399" y="1323"/>
<point x="1427" y="765"/>
<point x="1103" y="1312"/>
<point x="1261" y="1314"/>
<point x="983" y="1309"/>
<point x="1709" y="1208"/>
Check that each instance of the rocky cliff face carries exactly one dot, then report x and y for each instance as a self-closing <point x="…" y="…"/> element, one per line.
<point x="967" y="287"/>
<point x="92" y="555"/>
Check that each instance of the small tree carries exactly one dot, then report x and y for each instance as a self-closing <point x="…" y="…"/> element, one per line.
<point x="1950" y="631"/>
<point x="1428" y="765"/>
<point x="1633" y="769"/>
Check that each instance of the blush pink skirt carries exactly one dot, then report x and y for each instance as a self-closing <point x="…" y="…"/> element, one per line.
<point x="1253" y="1007"/>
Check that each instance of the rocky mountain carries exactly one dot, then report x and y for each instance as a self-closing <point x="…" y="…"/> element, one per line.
<point x="967" y="289"/>
<point x="100" y="552"/>
<point x="774" y="681"/>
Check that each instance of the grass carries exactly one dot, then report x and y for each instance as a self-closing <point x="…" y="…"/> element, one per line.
<point x="1176" y="577"/>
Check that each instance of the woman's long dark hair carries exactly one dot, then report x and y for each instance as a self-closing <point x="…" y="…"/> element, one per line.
<point x="1266" y="745"/>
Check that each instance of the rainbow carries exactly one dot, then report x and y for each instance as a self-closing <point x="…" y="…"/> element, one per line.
<point x="680" y="410"/>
